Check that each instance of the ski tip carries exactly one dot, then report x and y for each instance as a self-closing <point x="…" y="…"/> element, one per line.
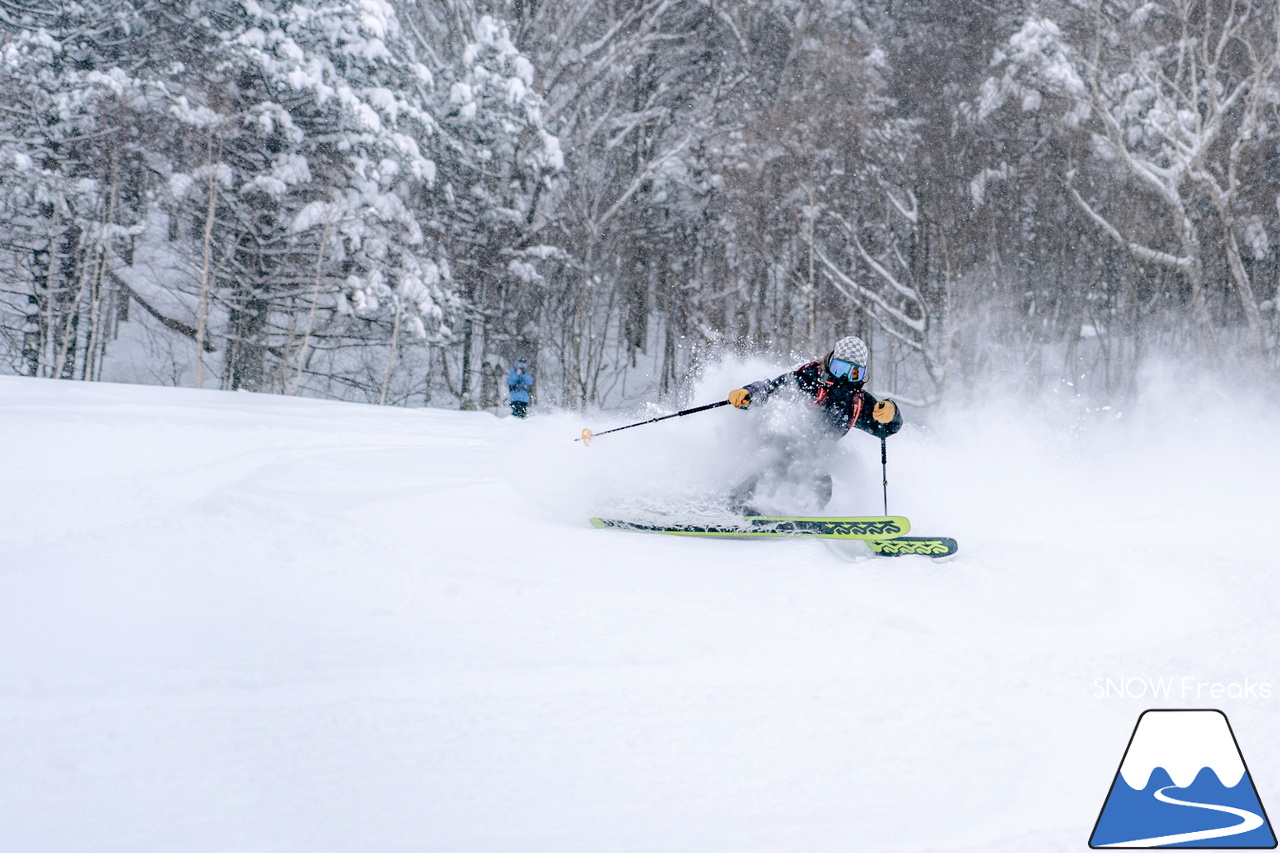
<point x="936" y="547"/>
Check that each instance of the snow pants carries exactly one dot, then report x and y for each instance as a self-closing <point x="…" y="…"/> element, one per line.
<point x="792" y="481"/>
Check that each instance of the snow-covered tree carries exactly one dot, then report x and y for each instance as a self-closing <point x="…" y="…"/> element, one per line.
<point x="386" y="199"/>
<point x="71" y="196"/>
<point x="1179" y="97"/>
<point x="497" y="161"/>
<point x="298" y="155"/>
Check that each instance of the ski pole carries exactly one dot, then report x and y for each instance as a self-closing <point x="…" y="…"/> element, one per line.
<point x="587" y="434"/>
<point x="884" y="470"/>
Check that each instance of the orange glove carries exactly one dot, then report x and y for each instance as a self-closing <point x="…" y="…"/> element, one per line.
<point x="740" y="397"/>
<point x="883" y="411"/>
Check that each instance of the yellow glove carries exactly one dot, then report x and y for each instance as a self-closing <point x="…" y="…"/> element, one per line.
<point x="884" y="411"/>
<point x="740" y="397"/>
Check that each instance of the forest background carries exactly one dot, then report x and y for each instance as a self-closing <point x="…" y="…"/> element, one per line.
<point x="391" y="200"/>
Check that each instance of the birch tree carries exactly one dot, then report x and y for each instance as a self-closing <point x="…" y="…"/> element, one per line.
<point x="71" y="194"/>
<point x="1176" y="95"/>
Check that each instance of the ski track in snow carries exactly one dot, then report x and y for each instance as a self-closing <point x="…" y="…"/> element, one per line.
<point x="241" y="622"/>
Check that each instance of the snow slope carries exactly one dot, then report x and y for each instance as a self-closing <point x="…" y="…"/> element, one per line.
<point x="250" y="623"/>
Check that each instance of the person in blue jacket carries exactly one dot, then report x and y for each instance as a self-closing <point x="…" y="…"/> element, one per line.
<point x="519" y="381"/>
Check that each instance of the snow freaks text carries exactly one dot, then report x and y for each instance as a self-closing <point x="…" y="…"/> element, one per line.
<point x="1178" y="687"/>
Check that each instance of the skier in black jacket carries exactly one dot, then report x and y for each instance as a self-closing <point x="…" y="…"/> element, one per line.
<point x="833" y="386"/>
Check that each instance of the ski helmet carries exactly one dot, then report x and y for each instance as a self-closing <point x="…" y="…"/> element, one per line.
<point x="851" y="351"/>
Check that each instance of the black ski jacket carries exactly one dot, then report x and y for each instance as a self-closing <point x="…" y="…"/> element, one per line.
<point x="843" y="405"/>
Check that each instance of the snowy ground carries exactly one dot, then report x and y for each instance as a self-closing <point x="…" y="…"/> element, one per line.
<point x="232" y="622"/>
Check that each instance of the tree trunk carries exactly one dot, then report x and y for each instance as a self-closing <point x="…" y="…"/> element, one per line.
<point x="1244" y="288"/>
<point x="464" y="389"/>
<point x="1195" y="277"/>
<point x="391" y="355"/>
<point x="246" y="353"/>
<point x="206" y="250"/>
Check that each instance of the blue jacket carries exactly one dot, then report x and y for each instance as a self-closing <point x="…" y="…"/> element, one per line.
<point x="519" y="383"/>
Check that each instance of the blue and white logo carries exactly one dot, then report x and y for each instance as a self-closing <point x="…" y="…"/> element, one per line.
<point x="1183" y="783"/>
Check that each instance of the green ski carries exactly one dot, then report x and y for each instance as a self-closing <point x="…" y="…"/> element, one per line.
<point x="878" y="528"/>
<point x="928" y="546"/>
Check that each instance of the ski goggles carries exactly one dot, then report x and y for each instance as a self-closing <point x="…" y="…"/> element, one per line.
<point x="842" y="369"/>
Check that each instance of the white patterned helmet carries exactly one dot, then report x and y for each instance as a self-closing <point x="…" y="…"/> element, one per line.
<point x="848" y="360"/>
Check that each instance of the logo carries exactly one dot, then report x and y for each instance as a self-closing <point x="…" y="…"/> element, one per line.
<point x="1183" y="783"/>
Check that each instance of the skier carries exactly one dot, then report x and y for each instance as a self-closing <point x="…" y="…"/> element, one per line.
<point x="519" y="381"/>
<point x="833" y="388"/>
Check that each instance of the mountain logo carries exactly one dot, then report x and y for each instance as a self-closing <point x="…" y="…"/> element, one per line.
<point x="1183" y="783"/>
